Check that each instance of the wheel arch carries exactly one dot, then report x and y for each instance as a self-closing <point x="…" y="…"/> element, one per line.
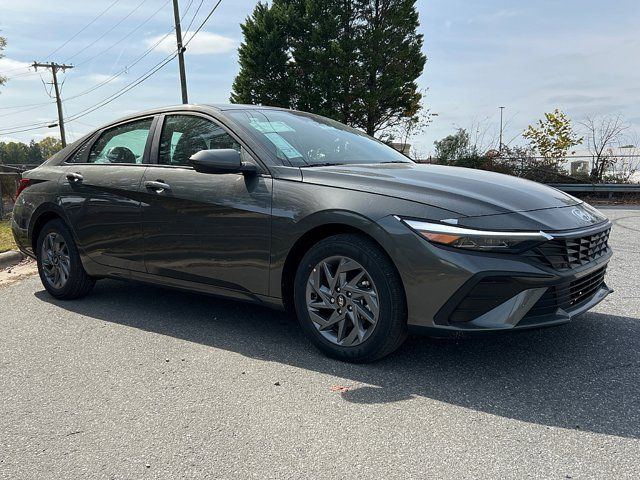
<point x="323" y="226"/>
<point x="43" y="214"/>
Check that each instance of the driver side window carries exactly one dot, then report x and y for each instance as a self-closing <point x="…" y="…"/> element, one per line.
<point x="121" y="144"/>
<point x="184" y="135"/>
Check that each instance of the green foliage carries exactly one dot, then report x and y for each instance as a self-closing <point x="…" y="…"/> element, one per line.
<point x="49" y="146"/>
<point x="522" y="162"/>
<point x="353" y="61"/>
<point x="6" y="237"/>
<point x="457" y="150"/>
<point x="34" y="153"/>
<point x="553" y="137"/>
<point x="264" y="76"/>
<point x="13" y="152"/>
<point x="19" y="153"/>
<point x="3" y="43"/>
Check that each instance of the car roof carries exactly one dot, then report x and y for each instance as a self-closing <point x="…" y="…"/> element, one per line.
<point x="218" y="107"/>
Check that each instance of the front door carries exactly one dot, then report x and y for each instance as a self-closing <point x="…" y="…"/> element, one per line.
<point x="100" y="193"/>
<point x="207" y="228"/>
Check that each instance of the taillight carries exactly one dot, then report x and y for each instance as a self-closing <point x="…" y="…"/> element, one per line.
<point x="24" y="183"/>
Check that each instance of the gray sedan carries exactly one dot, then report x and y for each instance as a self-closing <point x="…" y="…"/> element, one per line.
<point x="297" y="211"/>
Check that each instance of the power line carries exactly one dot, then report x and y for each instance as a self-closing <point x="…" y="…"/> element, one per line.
<point x="28" y="105"/>
<point x="28" y="109"/>
<point x="124" y="70"/>
<point x="85" y="92"/>
<point x="124" y="90"/>
<point x="129" y="86"/>
<point x="22" y="75"/>
<point x="135" y="62"/>
<point x="16" y="69"/>
<point x="106" y="32"/>
<point x="203" y="22"/>
<point x="23" y="130"/>
<point x="194" y="15"/>
<point x="125" y="37"/>
<point x="84" y="28"/>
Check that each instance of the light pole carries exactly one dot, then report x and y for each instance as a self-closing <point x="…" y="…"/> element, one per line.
<point x="501" y="126"/>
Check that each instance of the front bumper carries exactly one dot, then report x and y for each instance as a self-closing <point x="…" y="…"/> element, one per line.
<point x="452" y="290"/>
<point x="501" y="302"/>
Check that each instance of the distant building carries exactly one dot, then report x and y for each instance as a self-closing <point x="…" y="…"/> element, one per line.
<point x="404" y="148"/>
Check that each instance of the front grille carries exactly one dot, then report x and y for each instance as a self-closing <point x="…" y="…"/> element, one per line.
<point x="567" y="253"/>
<point x="568" y="295"/>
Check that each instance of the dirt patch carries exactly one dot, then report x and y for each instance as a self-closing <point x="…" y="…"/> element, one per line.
<point x="24" y="269"/>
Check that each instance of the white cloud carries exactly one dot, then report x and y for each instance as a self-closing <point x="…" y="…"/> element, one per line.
<point x="102" y="77"/>
<point x="203" y="43"/>
<point x="16" y="70"/>
<point x="17" y="66"/>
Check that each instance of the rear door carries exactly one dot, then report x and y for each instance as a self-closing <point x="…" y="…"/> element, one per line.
<point x="100" y="193"/>
<point x="207" y="228"/>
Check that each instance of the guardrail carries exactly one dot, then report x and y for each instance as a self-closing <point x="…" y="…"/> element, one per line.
<point x="609" y="188"/>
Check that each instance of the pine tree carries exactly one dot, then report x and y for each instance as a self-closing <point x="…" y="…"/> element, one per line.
<point x="392" y="58"/>
<point x="355" y="61"/>
<point x="264" y="60"/>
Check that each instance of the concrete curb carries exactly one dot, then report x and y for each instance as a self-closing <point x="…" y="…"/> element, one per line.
<point x="10" y="258"/>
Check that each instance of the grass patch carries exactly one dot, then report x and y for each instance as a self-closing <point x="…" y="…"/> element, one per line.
<point x="6" y="237"/>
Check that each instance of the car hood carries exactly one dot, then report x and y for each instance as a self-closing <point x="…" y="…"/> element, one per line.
<point x="464" y="191"/>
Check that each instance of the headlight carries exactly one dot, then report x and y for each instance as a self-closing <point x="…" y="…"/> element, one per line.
<point x="483" y="240"/>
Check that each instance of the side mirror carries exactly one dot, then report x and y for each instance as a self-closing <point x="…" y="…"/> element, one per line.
<point x="223" y="160"/>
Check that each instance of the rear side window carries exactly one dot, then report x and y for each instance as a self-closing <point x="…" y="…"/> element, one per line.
<point x="184" y="135"/>
<point x="80" y="154"/>
<point x="122" y="144"/>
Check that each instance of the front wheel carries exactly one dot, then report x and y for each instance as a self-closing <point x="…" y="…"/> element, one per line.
<point x="349" y="299"/>
<point x="59" y="265"/>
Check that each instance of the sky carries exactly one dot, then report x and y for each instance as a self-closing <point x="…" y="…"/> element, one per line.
<point x="529" y="56"/>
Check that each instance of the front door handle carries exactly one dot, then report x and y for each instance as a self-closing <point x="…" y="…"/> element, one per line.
<point x="157" y="186"/>
<point x="74" y="177"/>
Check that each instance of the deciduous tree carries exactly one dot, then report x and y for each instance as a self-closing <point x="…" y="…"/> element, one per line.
<point x="553" y="136"/>
<point x="603" y="134"/>
<point x="49" y="146"/>
<point x="3" y="43"/>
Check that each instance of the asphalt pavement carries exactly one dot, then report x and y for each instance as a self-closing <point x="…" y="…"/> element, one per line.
<point x="143" y="382"/>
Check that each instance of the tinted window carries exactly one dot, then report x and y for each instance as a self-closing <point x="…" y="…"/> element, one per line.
<point x="121" y="144"/>
<point x="79" y="156"/>
<point x="307" y="140"/>
<point x="184" y="135"/>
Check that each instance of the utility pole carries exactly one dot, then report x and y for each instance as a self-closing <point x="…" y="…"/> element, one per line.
<point x="54" y="70"/>
<point x="181" y="49"/>
<point x="500" y="147"/>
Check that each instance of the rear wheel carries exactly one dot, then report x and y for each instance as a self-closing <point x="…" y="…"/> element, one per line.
<point x="349" y="299"/>
<point x="59" y="265"/>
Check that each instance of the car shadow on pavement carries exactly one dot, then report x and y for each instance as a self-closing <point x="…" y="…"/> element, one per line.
<point x="584" y="375"/>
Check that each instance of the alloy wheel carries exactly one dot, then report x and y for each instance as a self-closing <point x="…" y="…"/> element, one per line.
<point x="342" y="301"/>
<point x="56" y="262"/>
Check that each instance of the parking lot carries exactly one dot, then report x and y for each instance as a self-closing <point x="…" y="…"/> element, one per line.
<point x="135" y="382"/>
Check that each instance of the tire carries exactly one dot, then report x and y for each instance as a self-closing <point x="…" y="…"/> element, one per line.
<point x="72" y="280"/>
<point x="318" y="307"/>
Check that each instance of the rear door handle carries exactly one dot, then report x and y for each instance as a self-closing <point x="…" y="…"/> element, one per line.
<point x="74" y="177"/>
<point x="158" y="186"/>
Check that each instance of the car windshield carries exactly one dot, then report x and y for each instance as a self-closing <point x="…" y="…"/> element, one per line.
<point x="306" y="140"/>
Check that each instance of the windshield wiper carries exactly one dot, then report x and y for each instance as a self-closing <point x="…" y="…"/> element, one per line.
<point x="328" y="164"/>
